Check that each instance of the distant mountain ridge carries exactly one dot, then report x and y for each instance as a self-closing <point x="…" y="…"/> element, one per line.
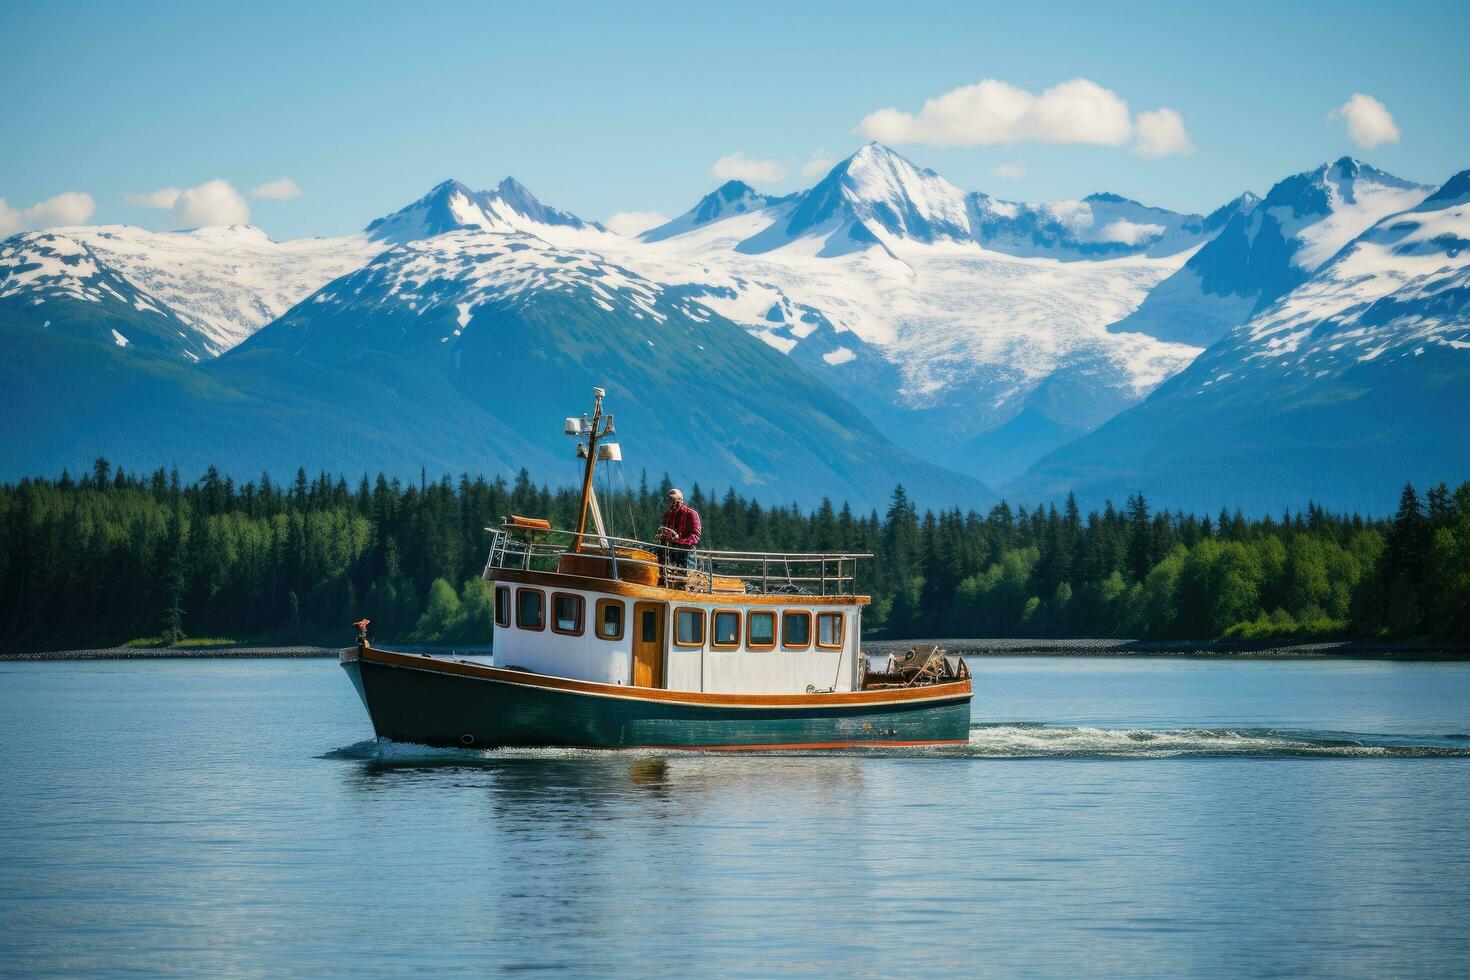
<point x="508" y="320"/>
<point x="883" y="303"/>
<point x="1266" y="250"/>
<point x="1339" y="391"/>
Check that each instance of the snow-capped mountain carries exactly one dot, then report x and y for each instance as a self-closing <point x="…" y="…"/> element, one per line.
<point x="1098" y="226"/>
<point x="877" y="195"/>
<point x="1268" y="249"/>
<point x="56" y="283"/>
<point x="1340" y="390"/>
<point x="870" y="196"/>
<point x="451" y="206"/>
<point x="514" y="323"/>
<point x="734" y="197"/>
<point x="978" y="333"/>
<point x="883" y="281"/>
<point x="225" y="281"/>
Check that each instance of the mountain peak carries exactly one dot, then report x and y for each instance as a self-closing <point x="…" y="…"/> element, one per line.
<point x="731" y="190"/>
<point x="875" y="156"/>
<point x="730" y="198"/>
<point x="877" y="189"/>
<point x="452" y="206"/>
<point x="1342" y="181"/>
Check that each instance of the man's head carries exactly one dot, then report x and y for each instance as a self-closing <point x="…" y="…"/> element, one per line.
<point x="676" y="496"/>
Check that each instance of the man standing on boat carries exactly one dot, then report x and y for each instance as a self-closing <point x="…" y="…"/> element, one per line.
<point x="680" y="532"/>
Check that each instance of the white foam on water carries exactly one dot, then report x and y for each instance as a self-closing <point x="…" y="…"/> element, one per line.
<point x="1040" y="741"/>
<point x="1020" y="740"/>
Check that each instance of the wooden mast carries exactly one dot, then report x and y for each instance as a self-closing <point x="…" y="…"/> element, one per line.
<point x="592" y="437"/>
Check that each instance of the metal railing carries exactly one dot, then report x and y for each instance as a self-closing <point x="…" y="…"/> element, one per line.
<point x="757" y="572"/>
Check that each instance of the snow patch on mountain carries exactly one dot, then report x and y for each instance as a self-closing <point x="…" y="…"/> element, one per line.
<point x="224" y="281"/>
<point x="1267" y="248"/>
<point x="46" y="276"/>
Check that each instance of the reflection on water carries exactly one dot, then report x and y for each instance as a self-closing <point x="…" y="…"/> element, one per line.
<point x="649" y="772"/>
<point x="1203" y="819"/>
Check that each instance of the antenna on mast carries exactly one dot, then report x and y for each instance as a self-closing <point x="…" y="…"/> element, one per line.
<point x="594" y="428"/>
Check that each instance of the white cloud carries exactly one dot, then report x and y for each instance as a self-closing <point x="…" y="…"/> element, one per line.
<point x="214" y="202"/>
<point x="159" y="199"/>
<point x="821" y="161"/>
<point x="1128" y="232"/>
<point x="1008" y="171"/>
<point x="71" y="208"/>
<point x="1160" y="134"/>
<point x="1076" y="215"/>
<point x="992" y="111"/>
<point x="283" y="189"/>
<point x="1369" y="121"/>
<point x="738" y="166"/>
<point x="632" y="223"/>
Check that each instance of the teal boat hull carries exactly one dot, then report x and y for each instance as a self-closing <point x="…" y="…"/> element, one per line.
<point x="428" y="703"/>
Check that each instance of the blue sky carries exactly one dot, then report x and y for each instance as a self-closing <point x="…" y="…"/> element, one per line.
<point x="604" y="108"/>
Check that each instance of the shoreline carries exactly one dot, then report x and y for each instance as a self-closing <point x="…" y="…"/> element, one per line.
<point x="1198" y="649"/>
<point x="876" y="649"/>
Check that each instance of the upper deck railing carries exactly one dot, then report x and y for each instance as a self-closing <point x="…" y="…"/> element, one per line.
<point x="517" y="546"/>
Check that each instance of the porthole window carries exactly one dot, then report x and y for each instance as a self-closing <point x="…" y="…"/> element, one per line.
<point x="689" y="627"/>
<point x="829" y="631"/>
<point x="531" y="609"/>
<point x="796" y="630"/>
<point x="725" y="629"/>
<point x="610" y="619"/>
<point x="760" y="631"/>
<point x="566" y="613"/>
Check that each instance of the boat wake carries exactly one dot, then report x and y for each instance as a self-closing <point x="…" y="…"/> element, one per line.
<point x="1013" y="740"/>
<point x="1029" y="740"/>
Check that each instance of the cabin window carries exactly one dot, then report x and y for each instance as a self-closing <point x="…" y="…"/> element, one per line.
<point x="760" y="631"/>
<point x="610" y="619"/>
<point x="531" y="609"/>
<point x="689" y="627"/>
<point x="650" y="626"/>
<point x="566" y="613"/>
<point x="725" y="630"/>
<point x="829" y="631"/>
<point x="502" y="605"/>
<point x="796" y="630"/>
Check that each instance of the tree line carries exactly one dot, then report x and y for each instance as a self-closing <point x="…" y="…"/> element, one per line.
<point x="111" y="556"/>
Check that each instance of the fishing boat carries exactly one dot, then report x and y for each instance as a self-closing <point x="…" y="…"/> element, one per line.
<point x="607" y="642"/>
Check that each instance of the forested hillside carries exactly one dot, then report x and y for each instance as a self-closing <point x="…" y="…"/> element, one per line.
<point x="113" y="556"/>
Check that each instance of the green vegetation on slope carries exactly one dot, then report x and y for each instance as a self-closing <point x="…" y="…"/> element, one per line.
<point x="110" y="556"/>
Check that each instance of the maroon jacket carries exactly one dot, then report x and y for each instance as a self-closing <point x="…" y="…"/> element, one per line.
<point x="684" y="521"/>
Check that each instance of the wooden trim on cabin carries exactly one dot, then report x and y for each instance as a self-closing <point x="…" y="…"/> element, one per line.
<point x="841" y="628"/>
<point x="463" y="668"/>
<point x="522" y="626"/>
<point x="703" y="633"/>
<point x="775" y="629"/>
<point x="789" y="614"/>
<point x="581" y="613"/>
<point x="505" y="592"/>
<point x="714" y="635"/>
<point x="630" y="590"/>
<point x="622" y="619"/>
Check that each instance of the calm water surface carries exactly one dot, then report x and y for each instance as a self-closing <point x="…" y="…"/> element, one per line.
<point x="1184" y="817"/>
